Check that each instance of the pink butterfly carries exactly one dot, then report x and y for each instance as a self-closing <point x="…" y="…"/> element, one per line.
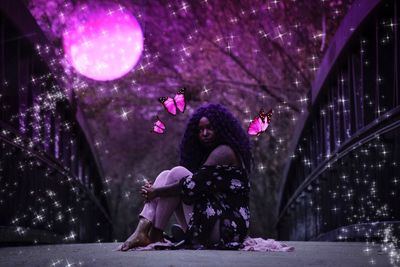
<point x="259" y="124"/>
<point x="178" y="102"/>
<point x="158" y="126"/>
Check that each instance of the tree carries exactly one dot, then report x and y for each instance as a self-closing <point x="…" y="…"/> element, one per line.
<point x="246" y="55"/>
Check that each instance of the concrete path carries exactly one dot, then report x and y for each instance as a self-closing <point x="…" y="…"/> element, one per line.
<point x="101" y="254"/>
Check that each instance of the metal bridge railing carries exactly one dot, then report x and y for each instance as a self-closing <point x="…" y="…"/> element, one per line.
<point x="343" y="180"/>
<point x="51" y="185"/>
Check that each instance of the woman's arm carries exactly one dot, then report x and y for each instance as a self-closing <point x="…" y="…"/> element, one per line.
<point x="149" y="192"/>
<point x="221" y="155"/>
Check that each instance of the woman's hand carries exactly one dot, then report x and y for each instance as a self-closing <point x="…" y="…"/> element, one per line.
<point x="148" y="192"/>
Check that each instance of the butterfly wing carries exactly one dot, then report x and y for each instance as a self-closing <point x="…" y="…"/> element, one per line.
<point x="180" y="100"/>
<point x="157" y="130"/>
<point x="260" y="123"/>
<point x="168" y="104"/>
<point x="255" y="127"/>
<point x="264" y="125"/>
<point x="269" y="116"/>
<point x="158" y="126"/>
<point x="265" y="119"/>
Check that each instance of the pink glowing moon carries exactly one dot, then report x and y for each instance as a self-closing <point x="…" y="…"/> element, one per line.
<point x="105" y="45"/>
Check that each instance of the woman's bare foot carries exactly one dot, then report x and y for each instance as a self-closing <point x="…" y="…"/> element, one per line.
<point x="139" y="238"/>
<point x="135" y="240"/>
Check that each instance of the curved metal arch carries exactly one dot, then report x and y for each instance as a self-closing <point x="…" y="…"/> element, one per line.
<point x="358" y="13"/>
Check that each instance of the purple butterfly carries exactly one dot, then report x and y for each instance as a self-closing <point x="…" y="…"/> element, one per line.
<point x="172" y="104"/>
<point x="259" y="124"/>
<point x="158" y="126"/>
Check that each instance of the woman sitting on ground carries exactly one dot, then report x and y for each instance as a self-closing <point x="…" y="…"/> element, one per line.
<point x="209" y="192"/>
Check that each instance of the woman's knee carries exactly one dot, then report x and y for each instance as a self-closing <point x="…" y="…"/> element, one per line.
<point x="180" y="170"/>
<point x="177" y="173"/>
<point x="164" y="173"/>
<point x="161" y="178"/>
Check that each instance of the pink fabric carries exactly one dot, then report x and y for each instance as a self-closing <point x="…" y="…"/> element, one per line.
<point x="152" y="245"/>
<point x="250" y="244"/>
<point x="259" y="244"/>
<point x="159" y="213"/>
<point x="159" y="210"/>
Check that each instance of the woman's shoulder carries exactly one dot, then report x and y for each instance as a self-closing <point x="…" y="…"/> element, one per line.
<point x="222" y="155"/>
<point x="223" y="149"/>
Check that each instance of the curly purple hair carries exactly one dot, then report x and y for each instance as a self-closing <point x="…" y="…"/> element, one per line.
<point x="229" y="132"/>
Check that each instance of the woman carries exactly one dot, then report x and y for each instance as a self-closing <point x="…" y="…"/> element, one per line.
<point x="209" y="192"/>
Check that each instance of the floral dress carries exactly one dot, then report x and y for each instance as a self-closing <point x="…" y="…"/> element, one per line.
<point x="217" y="192"/>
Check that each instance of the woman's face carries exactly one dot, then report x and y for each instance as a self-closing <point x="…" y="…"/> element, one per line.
<point x="207" y="134"/>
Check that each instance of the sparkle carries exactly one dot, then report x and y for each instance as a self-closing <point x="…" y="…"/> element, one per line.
<point x="279" y="35"/>
<point x="184" y="7"/>
<point x="205" y="90"/>
<point x="124" y="114"/>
